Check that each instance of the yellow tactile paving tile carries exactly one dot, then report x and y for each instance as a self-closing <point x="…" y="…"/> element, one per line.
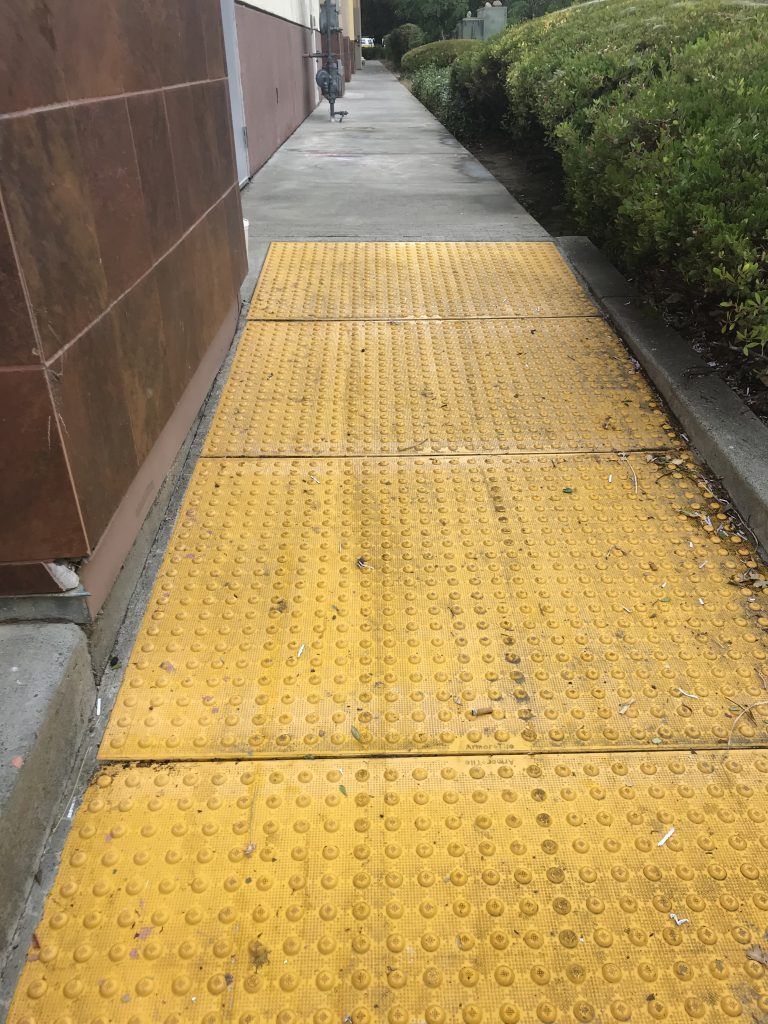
<point x="415" y="280"/>
<point x="371" y="387"/>
<point x="321" y="606"/>
<point x="547" y="890"/>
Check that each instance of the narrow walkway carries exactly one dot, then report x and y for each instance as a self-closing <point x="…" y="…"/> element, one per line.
<point x="389" y="172"/>
<point x="445" y="707"/>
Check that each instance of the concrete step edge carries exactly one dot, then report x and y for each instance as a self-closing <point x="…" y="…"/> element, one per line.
<point x="47" y="695"/>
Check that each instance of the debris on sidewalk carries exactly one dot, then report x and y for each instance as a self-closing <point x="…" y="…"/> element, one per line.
<point x="664" y="839"/>
<point x="758" y="954"/>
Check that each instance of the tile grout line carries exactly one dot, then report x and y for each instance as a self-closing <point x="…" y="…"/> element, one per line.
<point x="533" y="453"/>
<point x="422" y="319"/>
<point x="426" y="755"/>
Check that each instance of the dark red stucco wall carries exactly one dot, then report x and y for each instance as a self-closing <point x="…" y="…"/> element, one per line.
<point x="278" y="81"/>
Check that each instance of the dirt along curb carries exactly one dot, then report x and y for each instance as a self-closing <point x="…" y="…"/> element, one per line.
<point x="728" y="436"/>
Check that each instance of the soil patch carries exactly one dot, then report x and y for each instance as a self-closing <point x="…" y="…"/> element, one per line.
<point x="533" y="175"/>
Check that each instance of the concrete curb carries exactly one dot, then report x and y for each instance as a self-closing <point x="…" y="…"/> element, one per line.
<point x="46" y="699"/>
<point x="730" y="438"/>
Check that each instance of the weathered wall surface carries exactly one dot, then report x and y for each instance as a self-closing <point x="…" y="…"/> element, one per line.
<point x="302" y="12"/>
<point x="121" y="256"/>
<point x="278" y="81"/>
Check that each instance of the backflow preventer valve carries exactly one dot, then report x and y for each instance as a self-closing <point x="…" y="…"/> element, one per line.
<point x="330" y="77"/>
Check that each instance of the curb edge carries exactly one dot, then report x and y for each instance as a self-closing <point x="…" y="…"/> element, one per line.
<point x="728" y="436"/>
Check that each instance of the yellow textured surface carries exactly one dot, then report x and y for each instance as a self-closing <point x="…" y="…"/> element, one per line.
<point x="368" y="387"/>
<point x="312" y="607"/>
<point x="550" y="891"/>
<point x="317" y="606"/>
<point x="415" y="280"/>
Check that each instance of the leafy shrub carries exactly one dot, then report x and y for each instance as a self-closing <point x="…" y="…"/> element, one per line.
<point x="432" y="86"/>
<point x="747" y="316"/>
<point x="564" y="62"/>
<point x="674" y="172"/>
<point x="373" y="52"/>
<point x="658" y="110"/>
<point x="400" y="40"/>
<point x="477" y="86"/>
<point x="440" y="54"/>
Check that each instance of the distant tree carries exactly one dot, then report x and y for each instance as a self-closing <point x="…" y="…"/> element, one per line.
<point x="437" y="18"/>
<point x="400" y="40"/>
<point x="526" y="10"/>
<point x="378" y="17"/>
<point x="535" y="8"/>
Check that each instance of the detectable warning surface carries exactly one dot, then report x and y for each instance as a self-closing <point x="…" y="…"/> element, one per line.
<point x="415" y="280"/>
<point x="585" y="889"/>
<point x="372" y="387"/>
<point x="310" y="607"/>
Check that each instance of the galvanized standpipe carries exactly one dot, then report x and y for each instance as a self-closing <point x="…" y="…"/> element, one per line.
<point x="330" y="76"/>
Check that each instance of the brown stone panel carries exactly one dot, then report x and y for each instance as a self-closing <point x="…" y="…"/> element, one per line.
<point x="112" y="177"/>
<point x="196" y="292"/>
<point x="201" y="140"/>
<point x="152" y="383"/>
<point x="30" y="75"/>
<point x="216" y="250"/>
<point x="108" y="47"/>
<point x="154" y="36"/>
<point x="17" y="336"/>
<point x="89" y="391"/>
<point x="192" y="39"/>
<point x="92" y="47"/>
<point x="184" y="124"/>
<point x="147" y="31"/>
<point x="178" y="287"/>
<point x="210" y="281"/>
<point x="169" y="54"/>
<point x="26" y="578"/>
<point x="216" y="63"/>
<point x="38" y="509"/>
<point x="158" y="185"/>
<point x="49" y="208"/>
<point x="166" y="43"/>
<point x="220" y="120"/>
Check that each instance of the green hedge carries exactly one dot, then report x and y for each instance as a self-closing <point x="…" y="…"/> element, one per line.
<point x="563" y="63"/>
<point x="400" y="40"/>
<point x="658" y="109"/>
<point x="373" y="52"/>
<point x="439" y="54"/>
<point x="431" y="85"/>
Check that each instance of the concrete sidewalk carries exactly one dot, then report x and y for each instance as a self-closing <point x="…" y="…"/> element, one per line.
<point x="388" y="172"/>
<point x="438" y="512"/>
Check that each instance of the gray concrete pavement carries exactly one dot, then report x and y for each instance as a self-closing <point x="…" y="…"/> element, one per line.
<point x="46" y="695"/>
<point x="388" y="172"/>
